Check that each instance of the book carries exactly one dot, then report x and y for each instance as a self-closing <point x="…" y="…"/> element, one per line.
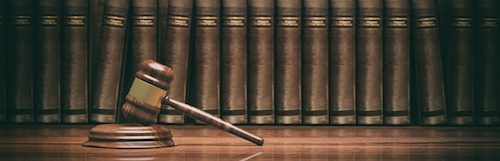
<point x="369" y="76"/>
<point x="20" y="101"/>
<point x="288" y="65"/>
<point x="3" y="54"/>
<point x="142" y="33"/>
<point x="315" y="62"/>
<point x="396" y="62"/>
<point x="429" y="69"/>
<point x="460" y="62"/>
<point x="342" y="63"/>
<point x="487" y="62"/>
<point x="48" y="53"/>
<point x="204" y="90"/>
<point x="109" y="62"/>
<point x="161" y="29"/>
<point x="260" y="62"/>
<point x="233" y="83"/>
<point x="96" y="15"/>
<point x="176" y="51"/>
<point x="75" y="62"/>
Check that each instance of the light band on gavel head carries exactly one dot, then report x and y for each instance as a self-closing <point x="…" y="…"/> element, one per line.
<point x="147" y="93"/>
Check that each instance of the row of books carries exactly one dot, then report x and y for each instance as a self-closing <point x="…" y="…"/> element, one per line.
<point x="365" y="62"/>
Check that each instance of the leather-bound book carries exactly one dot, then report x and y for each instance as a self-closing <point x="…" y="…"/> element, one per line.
<point x="429" y="69"/>
<point x="488" y="62"/>
<point x="75" y="62"/>
<point x="396" y="62"/>
<point x="315" y="62"/>
<point x="342" y="64"/>
<point x="176" y="49"/>
<point x="260" y="62"/>
<point x="369" y="60"/>
<point x="47" y="64"/>
<point x="288" y="61"/>
<point x="96" y="15"/>
<point x="20" y="78"/>
<point x="143" y="33"/>
<point x="109" y="62"/>
<point x="3" y="54"/>
<point x="161" y="29"/>
<point x="460" y="57"/>
<point x="204" y="92"/>
<point x="233" y="83"/>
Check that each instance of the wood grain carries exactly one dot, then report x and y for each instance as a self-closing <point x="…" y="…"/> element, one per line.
<point x="198" y="142"/>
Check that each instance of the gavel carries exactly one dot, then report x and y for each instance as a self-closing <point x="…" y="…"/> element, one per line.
<point x="150" y="89"/>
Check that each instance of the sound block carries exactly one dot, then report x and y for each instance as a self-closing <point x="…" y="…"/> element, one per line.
<point x="129" y="136"/>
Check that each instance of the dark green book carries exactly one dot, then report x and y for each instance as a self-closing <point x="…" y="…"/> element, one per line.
<point x="488" y="62"/>
<point x="315" y="62"/>
<point x="460" y="62"/>
<point x="288" y="65"/>
<point x="21" y="76"/>
<point x="396" y="62"/>
<point x="260" y="61"/>
<point x="175" y="54"/>
<point x="342" y="64"/>
<point x="3" y="58"/>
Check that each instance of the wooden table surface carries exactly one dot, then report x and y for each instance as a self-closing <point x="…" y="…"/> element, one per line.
<point x="198" y="142"/>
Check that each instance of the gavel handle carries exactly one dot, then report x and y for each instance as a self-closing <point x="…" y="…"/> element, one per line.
<point x="207" y="118"/>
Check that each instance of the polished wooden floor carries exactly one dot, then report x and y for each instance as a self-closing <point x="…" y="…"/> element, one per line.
<point x="197" y="142"/>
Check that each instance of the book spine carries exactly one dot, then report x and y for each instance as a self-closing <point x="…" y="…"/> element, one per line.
<point x="488" y="63"/>
<point x="48" y="49"/>
<point x="430" y="88"/>
<point x="234" y="61"/>
<point x="162" y="21"/>
<point x="396" y="62"/>
<point x="20" y="98"/>
<point x="96" y="15"/>
<point x="288" y="56"/>
<point x="315" y="62"/>
<point x="342" y="71"/>
<point x="205" y="83"/>
<point x="75" y="64"/>
<point x="460" y="82"/>
<point x="175" y="54"/>
<point x="261" y="62"/>
<point x="143" y="32"/>
<point x="3" y="54"/>
<point x="369" y="60"/>
<point x="109" y="62"/>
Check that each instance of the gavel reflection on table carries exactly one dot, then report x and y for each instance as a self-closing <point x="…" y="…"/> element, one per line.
<point x="142" y="104"/>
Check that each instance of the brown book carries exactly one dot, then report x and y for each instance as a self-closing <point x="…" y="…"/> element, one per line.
<point x="109" y="62"/>
<point x="396" y="62"/>
<point x="460" y="62"/>
<point x="260" y="61"/>
<point x="342" y="65"/>
<point x="20" y="80"/>
<point x="233" y="65"/>
<point x="175" y="54"/>
<point x="369" y="76"/>
<point x="204" y="92"/>
<point x="429" y="70"/>
<point x="75" y="64"/>
<point x="143" y="33"/>
<point x="315" y="62"/>
<point x="288" y="56"/>
<point x="488" y="62"/>
<point x="48" y="53"/>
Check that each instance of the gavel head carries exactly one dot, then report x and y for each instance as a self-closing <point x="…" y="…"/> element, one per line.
<point x="150" y="86"/>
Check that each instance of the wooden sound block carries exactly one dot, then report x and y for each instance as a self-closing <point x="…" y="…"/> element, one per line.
<point x="129" y="136"/>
